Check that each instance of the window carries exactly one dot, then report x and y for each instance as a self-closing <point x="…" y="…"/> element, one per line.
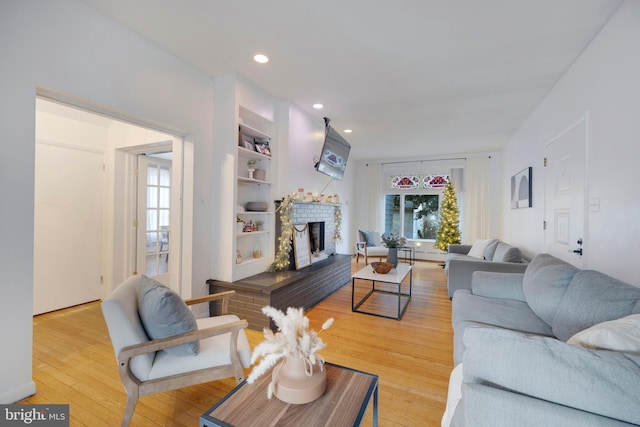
<point x="413" y="209"/>
<point x="416" y="215"/>
<point x="156" y="182"/>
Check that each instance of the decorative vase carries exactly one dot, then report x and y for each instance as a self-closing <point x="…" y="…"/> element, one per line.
<point x="392" y="256"/>
<point x="292" y="384"/>
<point x="259" y="174"/>
<point x="257" y="250"/>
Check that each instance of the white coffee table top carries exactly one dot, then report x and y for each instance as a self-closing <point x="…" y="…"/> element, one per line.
<point x="396" y="275"/>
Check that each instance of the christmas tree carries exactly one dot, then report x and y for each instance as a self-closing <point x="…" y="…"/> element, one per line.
<point x="448" y="229"/>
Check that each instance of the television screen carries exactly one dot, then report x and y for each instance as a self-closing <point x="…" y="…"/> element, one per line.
<point x="335" y="152"/>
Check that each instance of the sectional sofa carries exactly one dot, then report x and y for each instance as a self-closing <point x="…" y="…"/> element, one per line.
<point x="484" y="255"/>
<point x="553" y="346"/>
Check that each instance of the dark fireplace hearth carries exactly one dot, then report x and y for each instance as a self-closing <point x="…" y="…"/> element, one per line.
<point x="282" y="289"/>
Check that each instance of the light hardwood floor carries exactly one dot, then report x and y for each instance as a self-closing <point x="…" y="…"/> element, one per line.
<point x="73" y="361"/>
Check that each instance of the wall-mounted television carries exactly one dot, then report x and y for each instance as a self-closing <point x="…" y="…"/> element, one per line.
<point x="334" y="155"/>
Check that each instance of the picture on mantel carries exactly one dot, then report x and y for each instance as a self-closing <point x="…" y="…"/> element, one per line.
<point x="301" y="245"/>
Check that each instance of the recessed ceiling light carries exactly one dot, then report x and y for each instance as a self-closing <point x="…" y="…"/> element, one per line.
<point x="260" y="58"/>
<point x="318" y="106"/>
<point x="348" y="131"/>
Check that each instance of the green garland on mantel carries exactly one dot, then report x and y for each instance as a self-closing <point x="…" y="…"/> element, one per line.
<point x="286" y="209"/>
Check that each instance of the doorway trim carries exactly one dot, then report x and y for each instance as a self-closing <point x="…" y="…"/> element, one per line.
<point x="125" y="200"/>
<point x="116" y="249"/>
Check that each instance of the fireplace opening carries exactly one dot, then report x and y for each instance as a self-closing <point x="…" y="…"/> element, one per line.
<point x="316" y="237"/>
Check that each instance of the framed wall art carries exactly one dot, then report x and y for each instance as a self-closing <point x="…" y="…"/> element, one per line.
<point x="246" y="141"/>
<point x="521" y="189"/>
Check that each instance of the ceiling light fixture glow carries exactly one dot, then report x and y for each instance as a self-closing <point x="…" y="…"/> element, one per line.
<point x="348" y="131"/>
<point x="260" y="58"/>
<point x="318" y="106"/>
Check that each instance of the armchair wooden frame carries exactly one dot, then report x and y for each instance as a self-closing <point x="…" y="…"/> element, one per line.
<point x="136" y="388"/>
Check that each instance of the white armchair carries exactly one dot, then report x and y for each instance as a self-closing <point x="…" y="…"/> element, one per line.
<point x="146" y="365"/>
<point x="369" y="244"/>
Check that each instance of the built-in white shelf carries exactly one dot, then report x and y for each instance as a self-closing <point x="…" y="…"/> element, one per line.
<point x="250" y="154"/>
<point x="248" y="261"/>
<point x="252" y="181"/>
<point x="252" y="131"/>
<point x="254" y="213"/>
<point x="252" y="126"/>
<point x="251" y="233"/>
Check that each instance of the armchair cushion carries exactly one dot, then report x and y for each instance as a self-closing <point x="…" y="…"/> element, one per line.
<point x="213" y="351"/>
<point x="368" y="237"/>
<point x="370" y="244"/>
<point x="165" y="314"/>
<point x="377" y="251"/>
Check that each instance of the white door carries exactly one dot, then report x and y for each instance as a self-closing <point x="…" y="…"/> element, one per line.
<point x="565" y="208"/>
<point x="153" y="218"/>
<point x="68" y="241"/>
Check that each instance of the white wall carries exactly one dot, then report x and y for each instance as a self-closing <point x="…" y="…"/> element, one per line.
<point x="305" y="139"/>
<point x="66" y="47"/>
<point x="605" y="81"/>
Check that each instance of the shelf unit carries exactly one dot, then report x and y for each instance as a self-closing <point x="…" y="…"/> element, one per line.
<point x="248" y="189"/>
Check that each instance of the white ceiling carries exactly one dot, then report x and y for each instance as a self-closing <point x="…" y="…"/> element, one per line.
<point x="431" y="76"/>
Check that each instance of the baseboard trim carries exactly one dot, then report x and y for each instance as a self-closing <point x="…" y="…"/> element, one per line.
<point x="17" y="394"/>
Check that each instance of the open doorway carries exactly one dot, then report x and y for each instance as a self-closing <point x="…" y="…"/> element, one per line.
<point x="85" y="205"/>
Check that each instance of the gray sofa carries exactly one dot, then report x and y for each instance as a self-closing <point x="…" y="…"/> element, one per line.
<point x="498" y="257"/>
<point x="510" y="333"/>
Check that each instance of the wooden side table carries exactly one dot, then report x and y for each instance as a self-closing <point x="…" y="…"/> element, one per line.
<point x="343" y="404"/>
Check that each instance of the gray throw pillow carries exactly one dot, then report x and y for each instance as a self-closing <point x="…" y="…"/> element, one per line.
<point x="165" y="314"/>
<point x="593" y="297"/>
<point x="491" y="250"/>
<point x="545" y="282"/>
<point x="506" y="253"/>
<point x="367" y="236"/>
